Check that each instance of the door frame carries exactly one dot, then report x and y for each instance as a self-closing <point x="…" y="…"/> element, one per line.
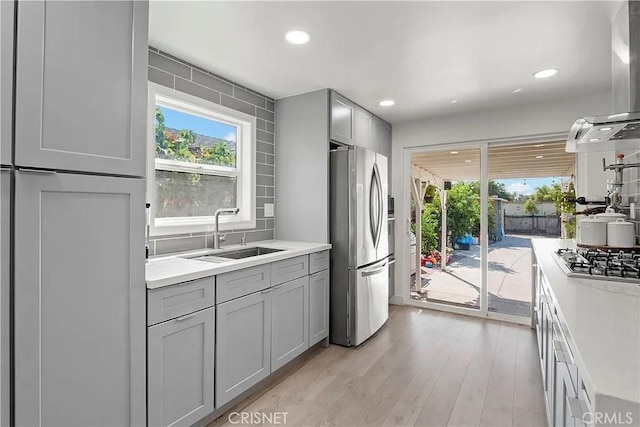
<point x="402" y="294"/>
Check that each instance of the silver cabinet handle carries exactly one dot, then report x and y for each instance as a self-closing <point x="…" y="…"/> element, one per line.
<point x="185" y="317"/>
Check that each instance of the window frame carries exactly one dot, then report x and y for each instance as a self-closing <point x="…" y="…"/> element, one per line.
<point x="245" y="170"/>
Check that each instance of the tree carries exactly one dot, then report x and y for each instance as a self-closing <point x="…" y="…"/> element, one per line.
<point x="530" y="206"/>
<point x="463" y="210"/>
<point x="495" y="189"/>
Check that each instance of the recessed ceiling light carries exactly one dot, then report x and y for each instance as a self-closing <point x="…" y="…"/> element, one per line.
<point x="454" y="152"/>
<point x="605" y="128"/>
<point x="543" y="74"/>
<point x="517" y="90"/>
<point x="594" y="139"/>
<point x="539" y="157"/>
<point x="467" y="161"/>
<point x="539" y="145"/>
<point x="454" y="101"/>
<point x="297" y="37"/>
<point x="387" y="103"/>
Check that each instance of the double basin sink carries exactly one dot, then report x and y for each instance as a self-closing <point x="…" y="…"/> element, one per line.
<point x="224" y="256"/>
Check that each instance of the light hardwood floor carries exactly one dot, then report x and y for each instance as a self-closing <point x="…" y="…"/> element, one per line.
<point x="424" y="368"/>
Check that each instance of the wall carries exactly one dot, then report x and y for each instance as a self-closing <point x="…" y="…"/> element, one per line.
<point x="172" y="72"/>
<point x="550" y="120"/>
<point x="517" y="208"/>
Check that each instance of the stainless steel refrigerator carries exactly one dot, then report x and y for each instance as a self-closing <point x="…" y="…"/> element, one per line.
<point x="359" y="264"/>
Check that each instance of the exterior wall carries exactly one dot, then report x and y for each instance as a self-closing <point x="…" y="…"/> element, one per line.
<point x="172" y="72"/>
<point x="517" y="209"/>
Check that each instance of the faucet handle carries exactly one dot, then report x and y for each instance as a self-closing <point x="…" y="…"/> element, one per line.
<point x="223" y="237"/>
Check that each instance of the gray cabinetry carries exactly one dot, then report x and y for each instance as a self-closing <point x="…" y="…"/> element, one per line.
<point x="78" y="239"/>
<point x="382" y="137"/>
<point x="7" y="10"/>
<point x="343" y="119"/>
<point x="181" y="369"/>
<point x="177" y="300"/>
<point x="318" y="306"/>
<point x="243" y="344"/>
<point x="81" y="86"/>
<point x="363" y="128"/>
<point x="242" y="282"/>
<point x="289" y="321"/>
<point x="289" y="269"/>
<point x="5" y="261"/>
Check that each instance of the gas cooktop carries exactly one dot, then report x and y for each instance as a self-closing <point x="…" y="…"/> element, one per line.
<point x="600" y="264"/>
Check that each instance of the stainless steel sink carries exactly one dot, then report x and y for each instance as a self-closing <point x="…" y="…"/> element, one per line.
<point x="225" y="256"/>
<point x="246" y="252"/>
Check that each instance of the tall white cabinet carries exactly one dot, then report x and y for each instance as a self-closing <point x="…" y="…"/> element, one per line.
<point x="78" y="164"/>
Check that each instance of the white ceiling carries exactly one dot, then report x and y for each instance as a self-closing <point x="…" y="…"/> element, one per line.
<point x="421" y="54"/>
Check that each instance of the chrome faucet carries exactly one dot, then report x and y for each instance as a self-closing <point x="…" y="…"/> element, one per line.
<point x="216" y="237"/>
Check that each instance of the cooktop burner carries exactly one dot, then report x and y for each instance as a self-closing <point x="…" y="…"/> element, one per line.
<point x="600" y="264"/>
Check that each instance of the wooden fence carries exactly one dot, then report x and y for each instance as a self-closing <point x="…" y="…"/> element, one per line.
<point x="533" y="225"/>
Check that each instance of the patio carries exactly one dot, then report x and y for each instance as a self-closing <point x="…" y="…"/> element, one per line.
<point x="509" y="278"/>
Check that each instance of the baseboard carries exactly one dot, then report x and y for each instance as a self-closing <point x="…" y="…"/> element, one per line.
<point x="396" y="300"/>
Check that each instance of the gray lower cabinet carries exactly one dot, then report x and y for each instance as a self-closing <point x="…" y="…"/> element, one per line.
<point x="318" y="306"/>
<point x="79" y="299"/>
<point x="5" y="318"/>
<point x="82" y="65"/>
<point x="243" y="344"/>
<point x="289" y="321"/>
<point x="7" y="10"/>
<point x="181" y="369"/>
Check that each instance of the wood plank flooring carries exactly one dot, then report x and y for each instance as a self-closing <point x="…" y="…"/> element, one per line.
<point x="424" y="368"/>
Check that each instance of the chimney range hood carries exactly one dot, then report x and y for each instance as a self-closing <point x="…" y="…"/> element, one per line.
<point x="604" y="133"/>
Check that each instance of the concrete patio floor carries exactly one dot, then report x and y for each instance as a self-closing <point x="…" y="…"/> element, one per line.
<point x="509" y="278"/>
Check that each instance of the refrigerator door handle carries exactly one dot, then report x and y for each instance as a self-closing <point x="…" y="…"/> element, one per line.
<point x="380" y="203"/>
<point x="374" y="272"/>
<point x="375" y="206"/>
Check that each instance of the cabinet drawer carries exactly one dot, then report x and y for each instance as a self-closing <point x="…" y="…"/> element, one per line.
<point x="318" y="261"/>
<point x="177" y="300"/>
<point x="289" y="269"/>
<point x="242" y="282"/>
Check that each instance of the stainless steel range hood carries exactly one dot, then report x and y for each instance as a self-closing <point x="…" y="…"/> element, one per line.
<point x="604" y="133"/>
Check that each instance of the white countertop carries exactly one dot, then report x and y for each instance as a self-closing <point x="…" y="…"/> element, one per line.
<point x="603" y="324"/>
<point x="169" y="270"/>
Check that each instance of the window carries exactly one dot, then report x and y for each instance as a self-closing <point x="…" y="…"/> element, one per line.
<point x="201" y="158"/>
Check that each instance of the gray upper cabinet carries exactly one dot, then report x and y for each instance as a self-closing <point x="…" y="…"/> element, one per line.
<point x="342" y="125"/>
<point x="382" y="137"/>
<point x="290" y="321"/>
<point x="318" y="306"/>
<point x="5" y="261"/>
<point x="7" y="10"/>
<point x="363" y="128"/>
<point x="243" y="344"/>
<point x="81" y="86"/>
<point x="79" y="239"/>
<point x="181" y="368"/>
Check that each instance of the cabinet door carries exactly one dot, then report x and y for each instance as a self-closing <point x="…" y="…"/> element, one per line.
<point x="381" y="137"/>
<point x="243" y="344"/>
<point x="81" y="86"/>
<point x="7" y="10"/>
<point x="80" y="327"/>
<point x="180" y="359"/>
<point x="342" y="124"/>
<point x="5" y="262"/>
<point x="363" y="128"/>
<point x="318" y="307"/>
<point x="289" y="321"/>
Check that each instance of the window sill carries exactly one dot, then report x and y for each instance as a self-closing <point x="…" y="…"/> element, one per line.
<point x="201" y="228"/>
